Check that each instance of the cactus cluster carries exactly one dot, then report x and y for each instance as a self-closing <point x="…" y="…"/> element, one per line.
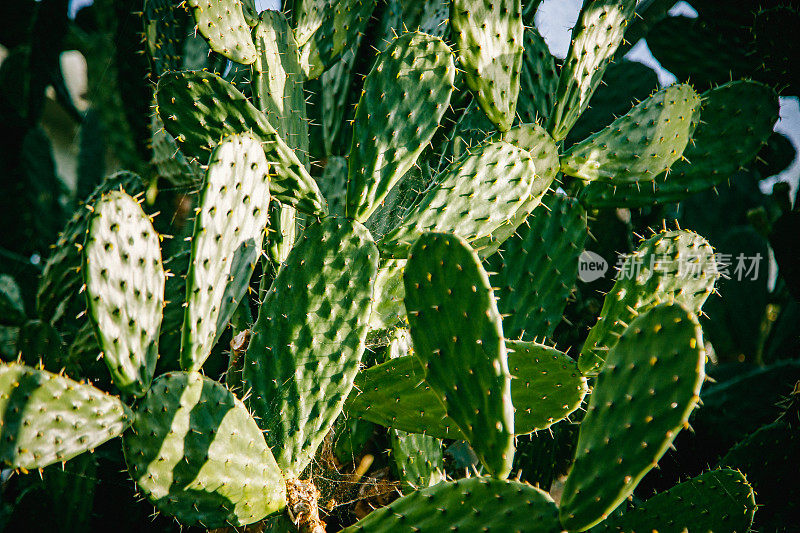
<point x="377" y="212"/>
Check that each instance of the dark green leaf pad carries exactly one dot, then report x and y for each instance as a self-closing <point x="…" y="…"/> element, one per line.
<point x="309" y="338"/>
<point x="489" y="39"/>
<point x="721" y="501"/>
<point x="199" y="108"/>
<point x="198" y="455"/>
<point x="223" y="24"/>
<point x="228" y="234"/>
<point x="537" y="142"/>
<point x="537" y="270"/>
<point x="595" y="37"/>
<point x="769" y="457"/>
<point x="124" y="289"/>
<point x="471" y="198"/>
<point x="165" y="25"/>
<point x="458" y="337"/>
<point x="546" y="387"/>
<point x="327" y="28"/>
<point x="471" y="504"/>
<point x="61" y="280"/>
<point x="672" y="266"/>
<point x="418" y="458"/>
<point x="640" y="145"/>
<point x="409" y="87"/>
<point x="47" y="418"/>
<point x="641" y="400"/>
<point x="539" y="79"/>
<point x="736" y="119"/>
<point x="546" y="383"/>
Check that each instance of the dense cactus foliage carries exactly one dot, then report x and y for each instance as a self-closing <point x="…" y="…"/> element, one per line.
<point x="356" y="285"/>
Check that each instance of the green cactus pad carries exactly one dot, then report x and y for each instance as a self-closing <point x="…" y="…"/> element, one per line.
<point x="327" y="28"/>
<point x="409" y="87"/>
<point x="200" y="108"/>
<point x="472" y="198"/>
<point x="536" y="272"/>
<point x="736" y="119"/>
<point x="641" y="400"/>
<point x="197" y="454"/>
<point x="489" y="38"/>
<point x="334" y="184"/>
<point x="223" y="23"/>
<point x="595" y="37"/>
<point x="458" y="337"/>
<point x="537" y="142"/>
<point x="309" y="338"/>
<point x="125" y="289"/>
<point x="418" y="458"/>
<point x="672" y="266"/>
<point x="278" y="81"/>
<point x="472" y="504"/>
<point x="47" y="418"/>
<point x="58" y="294"/>
<point x="539" y="79"/>
<point x="721" y="501"/>
<point x="336" y="100"/>
<point x="769" y="457"/>
<point x="12" y="309"/>
<point x="387" y="306"/>
<point x="228" y="234"/>
<point x="546" y="387"/>
<point x="640" y="145"/>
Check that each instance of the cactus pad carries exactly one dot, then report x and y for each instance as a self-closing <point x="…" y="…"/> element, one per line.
<point x="410" y="87"/>
<point x="197" y="454"/>
<point x="721" y="501"/>
<point x="125" y="289"/>
<point x="537" y="270"/>
<point x="200" y="108"/>
<point x="471" y="198"/>
<point x="458" y="337"/>
<point x="546" y="387"/>
<point x="596" y="36"/>
<point x="418" y="458"/>
<point x="309" y="338"/>
<point x="48" y="418"/>
<point x="640" y="145"/>
<point x="736" y="119"/>
<point x="328" y="28"/>
<point x="472" y="504"/>
<point x="539" y="79"/>
<point x="641" y="400"/>
<point x="223" y="23"/>
<point x="228" y="234"/>
<point x="489" y="39"/>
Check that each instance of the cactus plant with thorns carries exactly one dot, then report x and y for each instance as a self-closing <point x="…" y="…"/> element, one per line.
<point x="387" y="216"/>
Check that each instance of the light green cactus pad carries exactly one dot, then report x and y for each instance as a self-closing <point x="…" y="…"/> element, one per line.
<point x="489" y="39"/>
<point x="197" y="454"/>
<point x="672" y="266"/>
<point x="223" y="24"/>
<point x="641" y="145"/>
<point x="46" y="418"/>
<point x="228" y="234"/>
<point x="595" y="37"/>
<point x="409" y="87"/>
<point x="124" y="289"/>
